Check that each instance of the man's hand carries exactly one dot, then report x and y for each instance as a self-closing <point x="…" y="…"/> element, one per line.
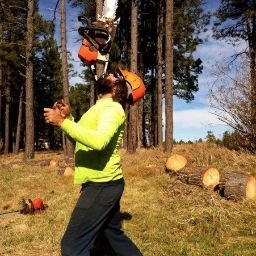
<point x="53" y="116"/>
<point x="63" y="107"/>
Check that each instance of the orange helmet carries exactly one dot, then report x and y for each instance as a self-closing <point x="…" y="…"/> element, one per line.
<point x="136" y="87"/>
<point x="87" y="53"/>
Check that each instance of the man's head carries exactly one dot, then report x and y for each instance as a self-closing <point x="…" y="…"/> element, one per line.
<point x="113" y="86"/>
<point x="124" y="83"/>
<point x="135" y="85"/>
<point x="104" y="86"/>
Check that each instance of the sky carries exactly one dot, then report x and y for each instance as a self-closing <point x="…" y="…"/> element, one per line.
<point x="192" y="120"/>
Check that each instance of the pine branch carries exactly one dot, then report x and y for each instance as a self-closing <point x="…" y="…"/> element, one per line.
<point x="55" y="10"/>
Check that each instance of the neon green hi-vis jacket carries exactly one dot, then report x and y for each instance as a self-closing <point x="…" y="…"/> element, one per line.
<point x="98" y="135"/>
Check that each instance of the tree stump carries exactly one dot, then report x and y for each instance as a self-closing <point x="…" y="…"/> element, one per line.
<point x="175" y="162"/>
<point x="199" y="176"/>
<point x="238" y="185"/>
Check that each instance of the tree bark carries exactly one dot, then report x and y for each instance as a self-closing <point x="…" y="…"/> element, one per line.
<point x="160" y="21"/>
<point x="133" y="112"/>
<point x="169" y="77"/>
<point x="7" y="114"/>
<point x="1" y="81"/>
<point x="125" y="136"/>
<point x="69" y="149"/>
<point x="140" y="123"/>
<point x="17" y="143"/>
<point x="99" y="66"/>
<point x="99" y="8"/>
<point x="92" y="93"/>
<point x="252" y="57"/>
<point x="235" y="185"/>
<point x="199" y="176"/>
<point x="29" y="133"/>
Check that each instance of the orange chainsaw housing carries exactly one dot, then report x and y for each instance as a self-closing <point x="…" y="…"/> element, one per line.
<point x="38" y="203"/>
<point x="87" y="53"/>
<point x="36" y="206"/>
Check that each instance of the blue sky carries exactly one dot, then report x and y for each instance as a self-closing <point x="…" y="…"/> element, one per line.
<point x="191" y="120"/>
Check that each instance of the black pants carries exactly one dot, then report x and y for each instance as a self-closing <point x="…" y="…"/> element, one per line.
<point x="97" y="209"/>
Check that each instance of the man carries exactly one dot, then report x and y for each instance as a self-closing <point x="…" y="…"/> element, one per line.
<point x="98" y="135"/>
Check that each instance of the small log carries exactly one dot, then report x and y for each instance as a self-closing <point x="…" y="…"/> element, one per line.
<point x="175" y="162"/>
<point x="68" y="172"/>
<point x="238" y="185"/>
<point x="53" y="162"/>
<point x="200" y="176"/>
<point x="66" y="162"/>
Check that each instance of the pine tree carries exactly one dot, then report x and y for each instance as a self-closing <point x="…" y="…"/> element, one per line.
<point x="169" y="38"/>
<point x="236" y="23"/>
<point x="29" y="98"/>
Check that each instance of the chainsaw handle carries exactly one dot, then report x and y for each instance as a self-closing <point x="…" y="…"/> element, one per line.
<point x="89" y="39"/>
<point x="102" y="47"/>
<point x="82" y="32"/>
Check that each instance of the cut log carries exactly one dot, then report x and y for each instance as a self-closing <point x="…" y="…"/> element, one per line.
<point x="176" y="162"/>
<point x="201" y="176"/>
<point x="66" y="162"/>
<point x="68" y="172"/>
<point x="238" y="185"/>
<point x="53" y="162"/>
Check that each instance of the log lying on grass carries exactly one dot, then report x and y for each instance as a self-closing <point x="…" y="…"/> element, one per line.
<point x="66" y="166"/>
<point x="200" y="176"/>
<point x="175" y="162"/>
<point x="237" y="185"/>
<point x="65" y="162"/>
<point x="68" y="171"/>
<point x="53" y="162"/>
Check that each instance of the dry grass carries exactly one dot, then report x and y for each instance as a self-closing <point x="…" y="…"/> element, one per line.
<point x="167" y="217"/>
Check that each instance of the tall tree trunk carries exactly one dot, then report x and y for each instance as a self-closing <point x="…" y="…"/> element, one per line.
<point x="7" y="113"/>
<point x="160" y="21"/>
<point x="99" y="66"/>
<point x="99" y="8"/>
<point x="17" y="142"/>
<point x="29" y="133"/>
<point x="125" y="136"/>
<point x="252" y="57"/>
<point x="92" y="93"/>
<point x="140" y="123"/>
<point x="142" y="112"/>
<point x="69" y="147"/>
<point x="132" y="118"/>
<point x="169" y="76"/>
<point x="153" y="111"/>
<point x="1" y="82"/>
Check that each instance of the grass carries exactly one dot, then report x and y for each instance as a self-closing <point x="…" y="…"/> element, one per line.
<point x="163" y="216"/>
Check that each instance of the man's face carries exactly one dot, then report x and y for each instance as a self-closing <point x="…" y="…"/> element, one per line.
<point x="112" y="78"/>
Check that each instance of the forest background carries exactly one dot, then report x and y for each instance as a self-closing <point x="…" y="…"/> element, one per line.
<point x="196" y="114"/>
<point x="162" y="215"/>
<point x="34" y="67"/>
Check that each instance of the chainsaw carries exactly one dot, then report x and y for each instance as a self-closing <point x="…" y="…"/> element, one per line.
<point x="31" y="207"/>
<point x="98" y="36"/>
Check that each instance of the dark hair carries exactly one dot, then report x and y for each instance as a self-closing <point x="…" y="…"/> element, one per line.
<point x="104" y="86"/>
<point x="121" y="92"/>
